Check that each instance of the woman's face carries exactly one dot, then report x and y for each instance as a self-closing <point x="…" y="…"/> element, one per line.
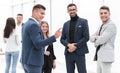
<point x="44" y="27"/>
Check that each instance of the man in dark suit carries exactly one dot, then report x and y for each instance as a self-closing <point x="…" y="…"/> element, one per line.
<point x="75" y="34"/>
<point x="33" y="43"/>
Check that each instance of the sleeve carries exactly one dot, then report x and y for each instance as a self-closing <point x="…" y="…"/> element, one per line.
<point x="63" y="38"/>
<point x="17" y="39"/>
<point x="4" y="39"/>
<point x="108" y="33"/>
<point x="53" y="54"/>
<point x="92" y="38"/>
<point x="37" y="37"/>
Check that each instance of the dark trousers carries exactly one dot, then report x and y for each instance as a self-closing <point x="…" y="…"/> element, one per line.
<point x="79" y="60"/>
<point x="48" y="64"/>
<point x="47" y="70"/>
<point x="32" y="68"/>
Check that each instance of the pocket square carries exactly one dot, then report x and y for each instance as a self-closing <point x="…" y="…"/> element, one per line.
<point x="79" y="26"/>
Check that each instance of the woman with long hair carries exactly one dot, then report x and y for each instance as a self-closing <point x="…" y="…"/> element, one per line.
<point x="12" y="42"/>
<point x="49" y="56"/>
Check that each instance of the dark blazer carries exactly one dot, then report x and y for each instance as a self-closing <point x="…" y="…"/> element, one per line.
<point x="33" y="43"/>
<point x="48" y="60"/>
<point x="81" y="36"/>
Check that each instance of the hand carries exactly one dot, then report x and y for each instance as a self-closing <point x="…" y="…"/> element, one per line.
<point x="54" y="64"/>
<point x="96" y="37"/>
<point x="57" y="33"/>
<point x="47" y="53"/>
<point x="71" y="47"/>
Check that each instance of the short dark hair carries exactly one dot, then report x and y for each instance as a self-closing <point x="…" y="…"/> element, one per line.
<point x="105" y="8"/>
<point x="71" y="4"/>
<point x="19" y="14"/>
<point x="38" y="6"/>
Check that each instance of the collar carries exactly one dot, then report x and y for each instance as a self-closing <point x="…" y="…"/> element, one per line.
<point x="34" y="20"/>
<point x="74" y="18"/>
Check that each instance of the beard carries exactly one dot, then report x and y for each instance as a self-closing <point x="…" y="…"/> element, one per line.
<point x="72" y="15"/>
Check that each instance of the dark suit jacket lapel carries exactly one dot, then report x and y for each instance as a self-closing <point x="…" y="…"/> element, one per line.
<point x="68" y="26"/>
<point x="105" y="26"/>
<point x="78" y="25"/>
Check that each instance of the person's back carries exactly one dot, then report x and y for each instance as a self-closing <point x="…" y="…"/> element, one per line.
<point x="12" y="42"/>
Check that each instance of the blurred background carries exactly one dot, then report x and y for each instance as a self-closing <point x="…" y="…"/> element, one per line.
<point x="56" y="15"/>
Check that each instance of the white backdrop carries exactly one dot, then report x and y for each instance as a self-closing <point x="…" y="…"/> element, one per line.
<point x="56" y="15"/>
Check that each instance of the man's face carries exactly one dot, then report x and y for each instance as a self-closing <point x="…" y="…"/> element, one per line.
<point x="39" y="14"/>
<point x="72" y="10"/>
<point x="104" y="15"/>
<point x="19" y="19"/>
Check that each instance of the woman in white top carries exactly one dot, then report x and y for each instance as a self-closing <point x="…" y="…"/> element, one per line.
<point x="12" y="43"/>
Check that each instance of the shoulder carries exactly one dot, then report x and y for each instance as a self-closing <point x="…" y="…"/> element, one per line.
<point x="111" y="24"/>
<point x="66" y="24"/>
<point x="82" y="19"/>
<point x="31" y="24"/>
<point x="67" y="21"/>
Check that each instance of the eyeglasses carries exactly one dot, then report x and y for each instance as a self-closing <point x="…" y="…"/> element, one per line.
<point x="71" y="9"/>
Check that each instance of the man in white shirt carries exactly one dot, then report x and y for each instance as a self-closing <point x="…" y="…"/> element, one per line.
<point x="19" y="23"/>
